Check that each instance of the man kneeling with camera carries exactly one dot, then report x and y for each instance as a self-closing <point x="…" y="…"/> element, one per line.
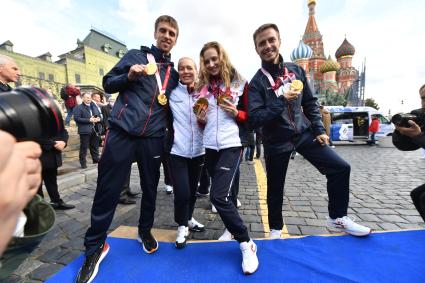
<point x="409" y="135"/>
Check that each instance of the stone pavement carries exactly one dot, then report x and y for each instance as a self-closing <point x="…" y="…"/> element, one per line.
<point x="381" y="180"/>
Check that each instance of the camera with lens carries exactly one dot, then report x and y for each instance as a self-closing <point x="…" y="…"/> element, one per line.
<point x="417" y="116"/>
<point x="29" y="113"/>
<point x="401" y="141"/>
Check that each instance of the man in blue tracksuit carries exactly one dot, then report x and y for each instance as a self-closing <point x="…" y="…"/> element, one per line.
<point x="291" y="121"/>
<point x="137" y="128"/>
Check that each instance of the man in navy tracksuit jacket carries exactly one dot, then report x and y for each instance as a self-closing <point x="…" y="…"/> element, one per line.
<point x="137" y="128"/>
<point x="291" y="121"/>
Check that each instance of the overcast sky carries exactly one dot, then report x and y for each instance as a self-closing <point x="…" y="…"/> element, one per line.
<point x="389" y="34"/>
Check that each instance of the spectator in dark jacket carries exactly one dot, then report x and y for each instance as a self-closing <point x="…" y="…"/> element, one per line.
<point x="87" y="117"/>
<point x="51" y="159"/>
<point x="281" y="101"/>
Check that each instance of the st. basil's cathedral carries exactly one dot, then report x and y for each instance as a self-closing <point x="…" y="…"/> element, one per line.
<point x="329" y="79"/>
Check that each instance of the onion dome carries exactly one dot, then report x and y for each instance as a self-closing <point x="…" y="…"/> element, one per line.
<point x="303" y="51"/>
<point x="329" y="66"/>
<point x="346" y="49"/>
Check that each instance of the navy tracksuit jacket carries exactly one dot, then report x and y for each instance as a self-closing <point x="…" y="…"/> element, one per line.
<point x="137" y="128"/>
<point x="288" y="126"/>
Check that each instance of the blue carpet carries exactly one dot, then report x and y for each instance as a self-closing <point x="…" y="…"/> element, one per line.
<point x="381" y="257"/>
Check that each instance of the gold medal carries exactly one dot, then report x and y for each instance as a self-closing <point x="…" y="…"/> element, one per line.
<point x="151" y="69"/>
<point x="222" y="97"/>
<point x="162" y="99"/>
<point x="297" y="86"/>
<point x="201" y="102"/>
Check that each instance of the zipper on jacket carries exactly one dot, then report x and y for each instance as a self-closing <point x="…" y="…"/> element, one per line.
<point x="123" y="108"/>
<point x="150" y="114"/>
<point x="190" y="122"/>
<point x="216" y="132"/>
<point x="291" y="119"/>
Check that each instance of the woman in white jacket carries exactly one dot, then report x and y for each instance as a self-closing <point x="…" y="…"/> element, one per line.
<point x="187" y="152"/>
<point x="224" y="134"/>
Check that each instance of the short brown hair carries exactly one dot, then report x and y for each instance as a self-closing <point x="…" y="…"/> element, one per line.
<point x="422" y="89"/>
<point x="263" y="28"/>
<point x="167" y="19"/>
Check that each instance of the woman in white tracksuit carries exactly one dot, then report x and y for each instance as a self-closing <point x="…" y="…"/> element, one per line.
<point x="224" y="132"/>
<point x="187" y="152"/>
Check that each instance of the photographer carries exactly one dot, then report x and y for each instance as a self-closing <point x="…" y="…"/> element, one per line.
<point x="87" y="117"/>
<point x="412" y="138"/>
<point x="20" y="176"/>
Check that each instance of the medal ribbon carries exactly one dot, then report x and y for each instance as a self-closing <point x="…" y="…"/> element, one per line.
<point x="281" y="80"/>
<point x="162" y="87"/>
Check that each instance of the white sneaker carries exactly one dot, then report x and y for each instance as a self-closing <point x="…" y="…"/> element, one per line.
<point x="249" y="257"/>
<point x="226" y="236"/>
<point x="195" y="225"/>
<point x="275" y="234"/>
<point x="250" y="162"/>
<point x="182" y="234"/>
<point x="347" y="224"/>
<point x="213" y="209"/>
<point x="238" y="203"/>
<point x="168" y="189"/>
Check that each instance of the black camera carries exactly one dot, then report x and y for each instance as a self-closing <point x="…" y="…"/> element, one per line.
<point x="29" y="113"/>
<point x="418" y="116"/>
<point x="403" y="142"/>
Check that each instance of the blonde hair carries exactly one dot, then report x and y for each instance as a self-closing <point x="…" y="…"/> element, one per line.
<point x="228" y="73"/>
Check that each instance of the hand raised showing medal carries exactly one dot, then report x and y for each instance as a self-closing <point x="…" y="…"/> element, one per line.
<point x="228" y="107"/>
<point x="138" y="70"/>
<point x="200" y="109"/>
<point x="295" y="88"/>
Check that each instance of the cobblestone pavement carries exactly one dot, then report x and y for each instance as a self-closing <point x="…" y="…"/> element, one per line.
<point x="381" y="180"/>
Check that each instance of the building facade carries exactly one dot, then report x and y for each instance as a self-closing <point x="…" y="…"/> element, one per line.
<point x="84" y="66"/>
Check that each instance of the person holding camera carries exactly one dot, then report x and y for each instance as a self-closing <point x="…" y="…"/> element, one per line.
<point x="9" y="73"/>
<point x="412" y="137"/>
<point x="87" y="117"/>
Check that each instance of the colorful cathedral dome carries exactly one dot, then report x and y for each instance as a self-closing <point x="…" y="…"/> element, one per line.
<point x="329" y="66"/>
<point x="346" y="49"/>
<point x="303" y="51"/>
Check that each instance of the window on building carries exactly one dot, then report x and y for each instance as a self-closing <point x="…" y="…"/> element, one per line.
<point x="101" y="72"/>
<point x="41" y="76"/>
<point x="51" y="77"/>
<point x="77" y="78"/>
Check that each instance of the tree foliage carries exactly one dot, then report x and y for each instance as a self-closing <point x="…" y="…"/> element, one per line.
<point x="371" y="103"/>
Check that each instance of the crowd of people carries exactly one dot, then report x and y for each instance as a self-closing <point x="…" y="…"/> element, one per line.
<point x="197" y="124"/>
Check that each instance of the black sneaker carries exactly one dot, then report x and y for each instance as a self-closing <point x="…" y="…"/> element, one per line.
<point x="91" y="264"/>
<point x="149" y="243"/>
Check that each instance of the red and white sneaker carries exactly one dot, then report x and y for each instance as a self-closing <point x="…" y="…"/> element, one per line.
<point x="347" y="224"/>
<point x="249" y="257"/>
